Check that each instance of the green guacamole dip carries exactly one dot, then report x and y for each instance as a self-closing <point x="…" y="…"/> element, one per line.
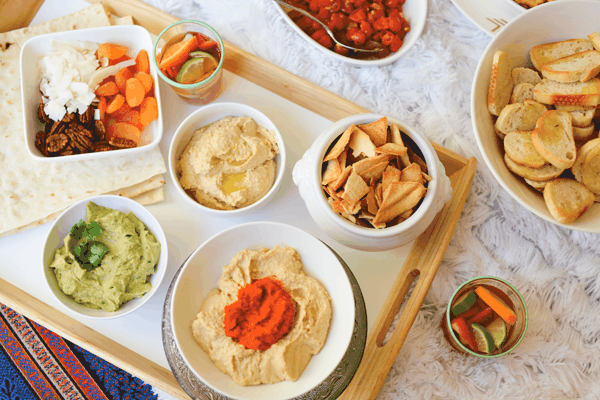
<point x="123" y="273"/>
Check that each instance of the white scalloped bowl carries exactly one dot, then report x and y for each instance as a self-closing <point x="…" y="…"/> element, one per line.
<point x="534" y="27"/>
<point x="307" y="176"/>
<point x="415" y="11"/>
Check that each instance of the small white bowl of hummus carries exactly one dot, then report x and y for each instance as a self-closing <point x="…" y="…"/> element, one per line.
<point x="227" y="159"/>
<point x="294" y="363"/>
<point x="105" y="257"/>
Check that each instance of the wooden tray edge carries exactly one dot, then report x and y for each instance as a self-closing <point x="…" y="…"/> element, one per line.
<point x="247" y="66"/>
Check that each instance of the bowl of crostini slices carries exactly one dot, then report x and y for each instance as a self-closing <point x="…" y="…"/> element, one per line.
<point x="534" y="109"/>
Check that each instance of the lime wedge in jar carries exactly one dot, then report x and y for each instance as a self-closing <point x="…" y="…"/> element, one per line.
<point x="198" y="68"/>
<point x="498" y="331"/>
<point x="483" y="338"/>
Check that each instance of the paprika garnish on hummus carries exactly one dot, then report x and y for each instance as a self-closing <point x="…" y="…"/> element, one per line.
<point x="229" y="164"/>
<point x="251" y="303"/>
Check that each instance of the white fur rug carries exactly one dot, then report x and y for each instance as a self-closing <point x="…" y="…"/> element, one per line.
<point x="555" y="269"/>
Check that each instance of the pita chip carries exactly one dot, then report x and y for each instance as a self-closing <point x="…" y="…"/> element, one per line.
<point x="339" y="182"/>
<point x="372" y="206"/>
<point x="355" y="188"/>
<point x="399" y="197"/>
<point x="366" y="163"/>
<point x="377" y="131"/>
<point x="342" y="158"/>
<point x="416" y="159"/>
<point x="391" y="174"/>
<point x="340" y="145"/>
<point x="332" y="171"/>
<point x="396" y="137"/>
<point x="361" y="143"/>
<point x="374" y="172"/>
<point x="391" y="149"/>
<point x="412" y="173"/>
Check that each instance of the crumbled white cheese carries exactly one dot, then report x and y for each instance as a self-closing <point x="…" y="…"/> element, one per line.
<point x="65" y="74"/>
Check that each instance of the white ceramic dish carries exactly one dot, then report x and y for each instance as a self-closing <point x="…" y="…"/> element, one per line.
<point x="200" y="275"/>
<point x="490" y="15"/>
<point x="207" y="115"/>
<point x="134" y="37"/>
<point x="415" y="11"/>
<point x="61" y="228"/>
<point x="307" y="176"/>
<point x="536" y="26"/>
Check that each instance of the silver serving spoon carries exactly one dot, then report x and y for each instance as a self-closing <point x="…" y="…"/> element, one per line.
<point x="329" y="31"/>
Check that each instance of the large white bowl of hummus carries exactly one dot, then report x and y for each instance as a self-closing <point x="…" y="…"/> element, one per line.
<point x="200" y="276"/>
<point x="227" y="159"/>
<point x="120" y="284"/>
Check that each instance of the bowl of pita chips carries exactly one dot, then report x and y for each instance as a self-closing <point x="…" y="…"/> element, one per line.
<point x="372" y="182"/>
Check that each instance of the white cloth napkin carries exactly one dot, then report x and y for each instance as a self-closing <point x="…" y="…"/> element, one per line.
<point x="555" y="269"/>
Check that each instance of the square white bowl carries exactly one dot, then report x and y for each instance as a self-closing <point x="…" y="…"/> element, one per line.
<point x="200" y="275"/>
<point x="61" y="228"/>
<point x="577" y="19"/>
<point x="134" y="37"/>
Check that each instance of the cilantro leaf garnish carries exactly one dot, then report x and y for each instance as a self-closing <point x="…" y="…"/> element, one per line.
<point x="88" y="252"/>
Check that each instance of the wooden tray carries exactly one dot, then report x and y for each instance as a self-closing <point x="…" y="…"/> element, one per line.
<point x="423" y="260"/>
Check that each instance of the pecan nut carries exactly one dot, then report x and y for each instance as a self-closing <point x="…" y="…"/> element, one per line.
<point x="100" y="130"/>
<point x="79" y="141"/>
<point x="42" y="116"/>
<point x="40" y="143"/>
<point x="121" y="143"/>
<point x="68" y="117"/>
<point x="56" y="143"/>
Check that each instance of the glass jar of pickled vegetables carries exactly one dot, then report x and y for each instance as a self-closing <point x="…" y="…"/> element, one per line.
<point x="189" y="55"/>
<point x="486" y="317"/>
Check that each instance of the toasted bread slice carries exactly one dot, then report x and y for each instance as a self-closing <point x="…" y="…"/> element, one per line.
<point x="582" y="118"/>
<point x="591" y="170"/>
<point x="595" y="39"/>
<point x="568" y="94"/>
<point x="545" y="53"/>
<point x="519" y="147"/>
<point x="501" y="83"/>
<point x="545" y="173"/>
<point x="525" y="75"/>
<point x="577" y="168"/>
<point x="567" y="199"/>
<point x="519" y="117"/>
<point x="580" y="67"/>
<point x="553" y="138"/>
<point x="561" y="107"/>
<point x="539" y="186"/>
<point x="521" y="92"/>
<point x="582" y="133"/>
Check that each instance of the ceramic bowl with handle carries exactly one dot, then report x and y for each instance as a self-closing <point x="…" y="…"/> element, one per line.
<point x="307" y="176"/>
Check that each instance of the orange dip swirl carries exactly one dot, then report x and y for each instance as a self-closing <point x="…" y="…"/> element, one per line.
<point x="262" y="314"/>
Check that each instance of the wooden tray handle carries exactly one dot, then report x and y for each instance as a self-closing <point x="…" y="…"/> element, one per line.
<point x="422" y="264"/>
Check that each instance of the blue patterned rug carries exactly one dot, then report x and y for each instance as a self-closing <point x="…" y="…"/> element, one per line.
<point x="36" y="364"/>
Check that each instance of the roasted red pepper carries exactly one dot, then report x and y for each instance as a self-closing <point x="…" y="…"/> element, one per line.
<point x="462" y="329"/>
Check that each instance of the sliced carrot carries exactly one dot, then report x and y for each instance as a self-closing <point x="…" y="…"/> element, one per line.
<point x="115" y="103"/>
<point x="134" y="92"/>
<point x="209" y="44"/>
<point x="121" y="78"/>
<point x="142" y="62"/>
<point x="107" y="89"/>
<point x="200" y="39"/>
<point x="172" y="72"/>
<point x="125" y="131"/>
<point x="496" y="304"/>
<point x="102" y="106"/>
<point x="146" y="80"/>
<point x="132" y="117"/>
<point x="111" y="51"/>
<point x="148" y="110"/>
<point x="122" y="110"/>
<point x="118" y="60"/>
<point x="179" y="54"/>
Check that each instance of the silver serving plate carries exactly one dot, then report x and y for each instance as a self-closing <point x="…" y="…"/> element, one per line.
<point x="331" y="388"/>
